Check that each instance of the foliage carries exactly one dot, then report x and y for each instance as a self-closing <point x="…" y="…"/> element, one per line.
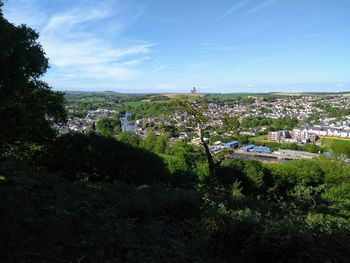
<point x="95" y="158"/>
<point x="154" y="143"/>
<point x="186" y="164"/>
<point x="130" y="138"/>
<point x="341" y="149"/>
<point x="231" y="124"/>
<point x="285" y="123"/>
<point x="152" y="109"/>
<point x="78" y="103"/>
<point x="28" y="106"/>
<point x="199" y="123"/>
<point x="108" y="126"/>
<point x="335" y="112"/>
<point x="47" y="219"/>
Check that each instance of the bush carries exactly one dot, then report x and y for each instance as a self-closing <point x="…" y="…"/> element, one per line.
<point x="95" y="158"/>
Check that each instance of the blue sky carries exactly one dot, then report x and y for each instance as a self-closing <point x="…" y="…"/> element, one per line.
<point x="171" y="46"/>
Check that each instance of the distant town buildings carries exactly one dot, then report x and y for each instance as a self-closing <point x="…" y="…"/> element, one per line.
<point x="308" y="133"/>
<point x="307" y="109"/>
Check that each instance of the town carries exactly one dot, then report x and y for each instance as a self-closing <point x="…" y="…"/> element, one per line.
<point x="310" y="118"/>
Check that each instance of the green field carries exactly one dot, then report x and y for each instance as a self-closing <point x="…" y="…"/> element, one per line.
<point x="327" y="141"/>
<point x="133" y="104"/>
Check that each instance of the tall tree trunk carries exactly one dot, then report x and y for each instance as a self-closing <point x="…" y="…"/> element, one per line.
<point x="207" y="151"/>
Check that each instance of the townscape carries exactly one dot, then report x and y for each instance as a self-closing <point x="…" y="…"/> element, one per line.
<point x="311" y="119"/>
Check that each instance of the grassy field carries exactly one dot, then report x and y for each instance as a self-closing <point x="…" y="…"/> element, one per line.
<point x="327" y="141"/>
<point x="133" y="104"/>
<point x="181" y="95"/>
<point x="261" y="138"/>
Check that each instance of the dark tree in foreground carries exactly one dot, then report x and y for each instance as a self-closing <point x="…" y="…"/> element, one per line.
<point x="28" y="107"/>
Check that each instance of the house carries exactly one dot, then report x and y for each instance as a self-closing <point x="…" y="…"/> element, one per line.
<point x="344" y="133"/>
<point x="297" y="133"/>
<point x="274" y="136"/>
<point x="277" y="136"/>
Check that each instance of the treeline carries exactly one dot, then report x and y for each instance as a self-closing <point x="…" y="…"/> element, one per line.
<point x="154" y="109"/>
<point x="285" y="123"/>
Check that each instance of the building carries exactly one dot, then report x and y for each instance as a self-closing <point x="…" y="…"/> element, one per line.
<point x="248" y="148"/>
<point x="232" y="144"/>
<point x="311" y="133"/>
<point x="296" y="134"/>
<point x="254" y="148"/>
<point x="274" y="136"/>
<point x="277" y="136"/>
<point x="262" y="149"/>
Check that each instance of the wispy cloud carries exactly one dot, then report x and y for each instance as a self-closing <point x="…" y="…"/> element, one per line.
<point x="213" y="46"/>
<point x="71" y="48"/>
<point x="80" y="49"/>
<point x="155" y="65"/>
<point x="233" y="8"/>
<point x="261" y="6"/>
<point x="24" y="12"/>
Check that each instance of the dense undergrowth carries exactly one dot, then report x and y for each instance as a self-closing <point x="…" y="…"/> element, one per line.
<point x="56" y="208"/>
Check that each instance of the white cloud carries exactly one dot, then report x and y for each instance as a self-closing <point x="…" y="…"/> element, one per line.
<point x="86" y="42"/>
<point x="261" y="6"/>
<point x="234" y="8"/>
<point x="71" y="48"/>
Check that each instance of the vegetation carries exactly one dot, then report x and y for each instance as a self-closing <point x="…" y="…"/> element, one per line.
<point x="78" y="103"/>
<point x="129" y="138"/>
<point x="196" y="110"/>
<point x="108" y="126"/>
<point x="91" y="198"/>
<point x="28" y="107"/>
<point x="286" y="123"/>
<point x="335" y="112"/>
<point x="154" y="109"/>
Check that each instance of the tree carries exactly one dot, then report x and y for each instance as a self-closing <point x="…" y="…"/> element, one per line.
<point x="150" y="141"/>
<point x="102" y="159"/>
<point x="200" y="123"/>
<point x="231" y="124"/>
<point x="130" y="138"/>
<point x="28" y="106"/>
<point x="108" y="126"/>
<point x="160" y="144"/>
<point x="341" y="149"/>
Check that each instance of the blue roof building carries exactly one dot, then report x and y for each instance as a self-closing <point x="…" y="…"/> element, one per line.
<point x="248" y="148"/>
<point x="254" y="148"/>
<point x="232" y="144"/>
<point x="262" y="149"/>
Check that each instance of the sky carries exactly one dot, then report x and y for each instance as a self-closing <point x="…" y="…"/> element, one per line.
<point x="220" y="46"/>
